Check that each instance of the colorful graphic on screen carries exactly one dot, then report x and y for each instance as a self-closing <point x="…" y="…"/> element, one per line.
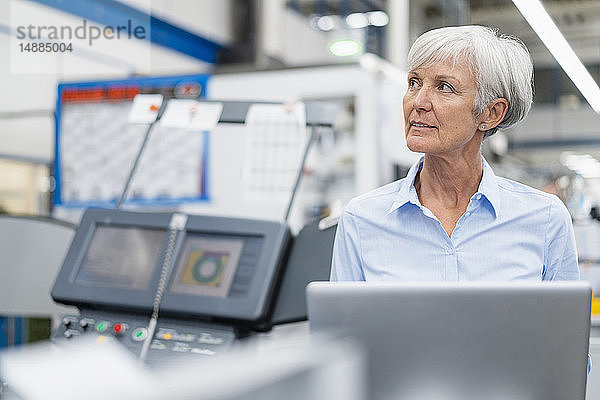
<point x="205" y="268"/>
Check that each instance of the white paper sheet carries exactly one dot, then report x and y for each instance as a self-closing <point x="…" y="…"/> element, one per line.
<point x="145" y="108"/>
<point x="206" y="116"/>
<point x="275" y="143"/>
<point x="178" y="113"/>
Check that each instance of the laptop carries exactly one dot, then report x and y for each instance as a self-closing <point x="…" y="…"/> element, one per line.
<point x="450" y="341"/>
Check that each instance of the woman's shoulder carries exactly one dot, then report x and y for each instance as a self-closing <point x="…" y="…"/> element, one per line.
<point x="381" y="197"/>
<point x="515" y="189"/>
<point x="518" y="187"/>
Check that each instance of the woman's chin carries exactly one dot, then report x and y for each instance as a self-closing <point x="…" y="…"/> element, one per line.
<point x="417" y="144"/>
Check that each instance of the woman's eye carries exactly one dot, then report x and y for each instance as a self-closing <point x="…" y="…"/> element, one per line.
<point x="412" y="83"/>
<point x="446" y="87"/>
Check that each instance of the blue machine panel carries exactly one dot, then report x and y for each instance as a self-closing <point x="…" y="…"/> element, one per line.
<point x="96" y="145"/>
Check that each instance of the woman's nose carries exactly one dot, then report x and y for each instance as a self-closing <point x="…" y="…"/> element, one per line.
<point x="422" y="99"/>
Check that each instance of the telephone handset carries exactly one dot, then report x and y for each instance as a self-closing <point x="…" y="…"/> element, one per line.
<point x="176" y="225"/>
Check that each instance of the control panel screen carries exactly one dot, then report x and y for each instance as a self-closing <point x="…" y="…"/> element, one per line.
<point x="207" y="266"/>
<point x="121" y="257"/>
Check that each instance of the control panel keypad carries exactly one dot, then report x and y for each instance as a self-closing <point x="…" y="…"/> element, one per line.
<point x="171" y="337"/>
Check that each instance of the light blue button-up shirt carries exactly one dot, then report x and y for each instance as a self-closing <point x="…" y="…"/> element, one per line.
<point x="508" y="232"/>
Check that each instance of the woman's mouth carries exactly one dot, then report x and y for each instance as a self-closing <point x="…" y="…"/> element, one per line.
<point x="421" y="125"/>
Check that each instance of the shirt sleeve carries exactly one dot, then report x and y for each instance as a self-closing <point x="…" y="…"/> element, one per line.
<point x="346" y="261"/>
<point x="560" y="262"/>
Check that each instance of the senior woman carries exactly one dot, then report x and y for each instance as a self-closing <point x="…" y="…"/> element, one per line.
<point x="451" y="218"/>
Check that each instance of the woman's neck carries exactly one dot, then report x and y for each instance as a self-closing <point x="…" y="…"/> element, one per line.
<point x="449" y="183"/>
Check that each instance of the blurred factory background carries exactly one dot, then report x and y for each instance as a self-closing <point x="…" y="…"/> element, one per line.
<point x="277" y="50"/>
<point x="248" y="42"/>
<point x="343" y="56"/>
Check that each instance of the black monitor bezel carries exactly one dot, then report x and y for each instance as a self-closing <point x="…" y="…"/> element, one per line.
<point x="66" y="288"/>
<point x="252" y="309"/>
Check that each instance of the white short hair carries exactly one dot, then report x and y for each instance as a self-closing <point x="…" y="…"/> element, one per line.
<point x="501" y="64"/>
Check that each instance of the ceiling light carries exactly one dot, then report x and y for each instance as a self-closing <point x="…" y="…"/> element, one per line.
<point x="583" y="164"/>
<point x="378" y="18"/>
<point x="542" y="24"/>
<point x="326" y="23"/>
<point x="345" y="48"/>
<point x="357" y="20"/>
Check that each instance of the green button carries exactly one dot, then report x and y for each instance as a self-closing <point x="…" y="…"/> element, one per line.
<point x="101" y="326"/>
<point x="139" y="334"/>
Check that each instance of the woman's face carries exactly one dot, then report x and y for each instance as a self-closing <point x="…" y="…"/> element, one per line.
<point x="438" y="109"/>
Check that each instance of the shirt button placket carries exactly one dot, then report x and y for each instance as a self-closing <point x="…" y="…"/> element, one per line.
<point x="451" y="264"/>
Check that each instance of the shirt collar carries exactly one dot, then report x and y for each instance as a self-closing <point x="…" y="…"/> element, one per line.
<point x="407" y="192"/>
<point x="488" y="187"/>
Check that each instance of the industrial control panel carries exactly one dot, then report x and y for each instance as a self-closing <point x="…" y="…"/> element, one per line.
<point x="167" y="284"/>
<point x="173" y="337"/>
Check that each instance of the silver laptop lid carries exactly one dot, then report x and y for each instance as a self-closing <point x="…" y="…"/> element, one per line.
<point x="495" y="341"/>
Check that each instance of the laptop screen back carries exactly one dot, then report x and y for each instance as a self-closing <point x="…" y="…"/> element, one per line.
<point x="497" y="341"/>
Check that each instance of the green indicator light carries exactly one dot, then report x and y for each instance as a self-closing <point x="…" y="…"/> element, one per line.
<point x="101" y="327"/>
<point x="139" y="334"/>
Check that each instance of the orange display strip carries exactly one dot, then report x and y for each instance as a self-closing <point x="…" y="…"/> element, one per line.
<point x="114" y="93"/>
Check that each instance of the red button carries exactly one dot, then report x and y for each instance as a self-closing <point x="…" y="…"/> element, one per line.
<point x="118" y="328"/>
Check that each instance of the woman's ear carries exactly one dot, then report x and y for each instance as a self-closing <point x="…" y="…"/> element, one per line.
<point x="494" y="114"/>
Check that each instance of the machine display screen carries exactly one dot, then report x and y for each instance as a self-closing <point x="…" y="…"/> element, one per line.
<point x="121" y="257"/>
<point x="218" y="268"/>
<point x="216" y="265"/>
<point x="207" y="266"/>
